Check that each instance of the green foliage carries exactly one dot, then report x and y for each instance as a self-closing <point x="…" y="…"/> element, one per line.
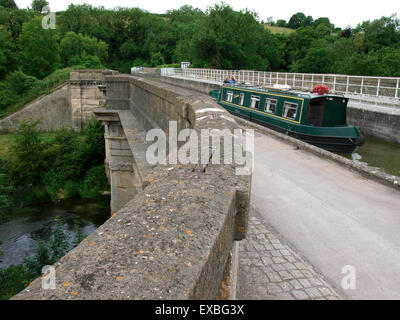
<point x="156" y="59"/>
<point x="28" y="151"/>
<point x="297" y="20"/>
<point x="72" y="189"/>
<point x="38" y="5"/>
<point x="95" y="37"/>
<point x="13" y="280"/>
<point x="95" y="181"/>
<point x="65" y="166"/>
<point x="19" y="82"/>
<point x="8" y="4"/>
<point x="7" y="53"/>
<point x="6" y="189"/>
<point x="39" y="49"/>
<point x="78" y="233"/>
<point x="79" y="49"/>
<point x="94" y="138"/>
<point x="172" y="65"/>
<point x="68" y="159"/>
<point x="11" y="101"/>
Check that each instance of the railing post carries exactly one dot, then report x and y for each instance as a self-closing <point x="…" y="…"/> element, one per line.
<point x="397" y="89"/>
<point x="285" y="78"/>
<point x="362" y="86"/>
<point x="334" y="83"/>
<point x="347" y="84"/>
<point x="302" y="80"/>
<point x="377" y="87"/>
<point x="294" y="80"/>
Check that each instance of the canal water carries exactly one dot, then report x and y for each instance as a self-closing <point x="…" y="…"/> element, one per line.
<point x="28" y="226"/>
<point x="378" y="154"/>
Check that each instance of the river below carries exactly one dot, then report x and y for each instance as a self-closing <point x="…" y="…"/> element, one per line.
<point x="29" y="226"/>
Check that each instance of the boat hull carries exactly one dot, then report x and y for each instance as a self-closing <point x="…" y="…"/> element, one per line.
<point x="332" y="144"/>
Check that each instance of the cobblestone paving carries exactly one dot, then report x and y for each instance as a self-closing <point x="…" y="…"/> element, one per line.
<point x="271" y="270"/>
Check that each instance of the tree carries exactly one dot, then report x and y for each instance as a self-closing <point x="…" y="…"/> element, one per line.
<point x="297" y="20"/>
<point x="28" y="161"/>
<point x="383" y="32"/>
<point x="76" y="47"/>
<point x="281" y="23"/>
<point x="37" y="5"/>
<point x="319" y="59"/>
<point x="324" y="21"/>
<point x="346" y="33"/>
<point x="8" y="4"/>
<point x="228" y="39"/>
<point x="185" y="14"/>
<point x="39" y="49"/>
<point x="8" y="57"/>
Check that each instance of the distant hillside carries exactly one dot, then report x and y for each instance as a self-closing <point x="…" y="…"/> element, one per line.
<point x="275" y="29"/>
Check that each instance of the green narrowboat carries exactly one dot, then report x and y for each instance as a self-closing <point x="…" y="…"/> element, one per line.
<point x="315" y="118"/>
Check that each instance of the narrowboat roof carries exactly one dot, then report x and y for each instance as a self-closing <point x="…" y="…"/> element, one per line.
<point x="266" y="89"/>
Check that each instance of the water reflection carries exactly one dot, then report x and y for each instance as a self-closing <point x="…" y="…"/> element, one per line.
<point x="29" y="226"/>
<point x="379" y="154"/>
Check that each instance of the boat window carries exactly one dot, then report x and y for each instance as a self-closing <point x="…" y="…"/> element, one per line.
<point x="229" y="96"/>
<point x="241" y="100"/>
<point x="270" y="105"/>
<point x="290" y="110"/>
<point x="255" y="102"/>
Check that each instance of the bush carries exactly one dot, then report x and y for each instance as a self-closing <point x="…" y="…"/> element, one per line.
<point x="69" y="159"/>
<point x="13" y="280"/>
<point x="19" y="82"/>
<point x="95" y="181"/>
<point x="28" y="161"/>
<point x="72" y="189"/>
<point x="35" y="195"/>
<point x="94" y="138"/>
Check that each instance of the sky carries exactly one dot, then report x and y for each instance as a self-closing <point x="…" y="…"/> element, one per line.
<point x="342" y="13"/>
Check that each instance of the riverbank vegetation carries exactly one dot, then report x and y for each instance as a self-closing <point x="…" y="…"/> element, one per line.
<point x="17" y="277"/>
<point x="38" y="167"/>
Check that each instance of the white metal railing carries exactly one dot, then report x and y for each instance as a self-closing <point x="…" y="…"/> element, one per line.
<point x="370" y="90"/>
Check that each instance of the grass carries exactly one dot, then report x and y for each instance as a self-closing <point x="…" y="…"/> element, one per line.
<point x="7" y="140"/>
<point x="41" y="87"/>
<point x="275" y="29"/>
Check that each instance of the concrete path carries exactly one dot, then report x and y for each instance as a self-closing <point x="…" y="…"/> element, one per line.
<point x="331" y="216"/>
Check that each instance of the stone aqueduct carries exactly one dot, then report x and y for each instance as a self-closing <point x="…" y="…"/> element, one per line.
<point x="172" y="231"/>
<point x="173" y="228"/>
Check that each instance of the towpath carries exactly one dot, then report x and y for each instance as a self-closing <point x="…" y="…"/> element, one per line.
<point x="329" y="217"/>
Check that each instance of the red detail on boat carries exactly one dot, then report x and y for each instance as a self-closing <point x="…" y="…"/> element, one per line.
<point x="320" y="89"/>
